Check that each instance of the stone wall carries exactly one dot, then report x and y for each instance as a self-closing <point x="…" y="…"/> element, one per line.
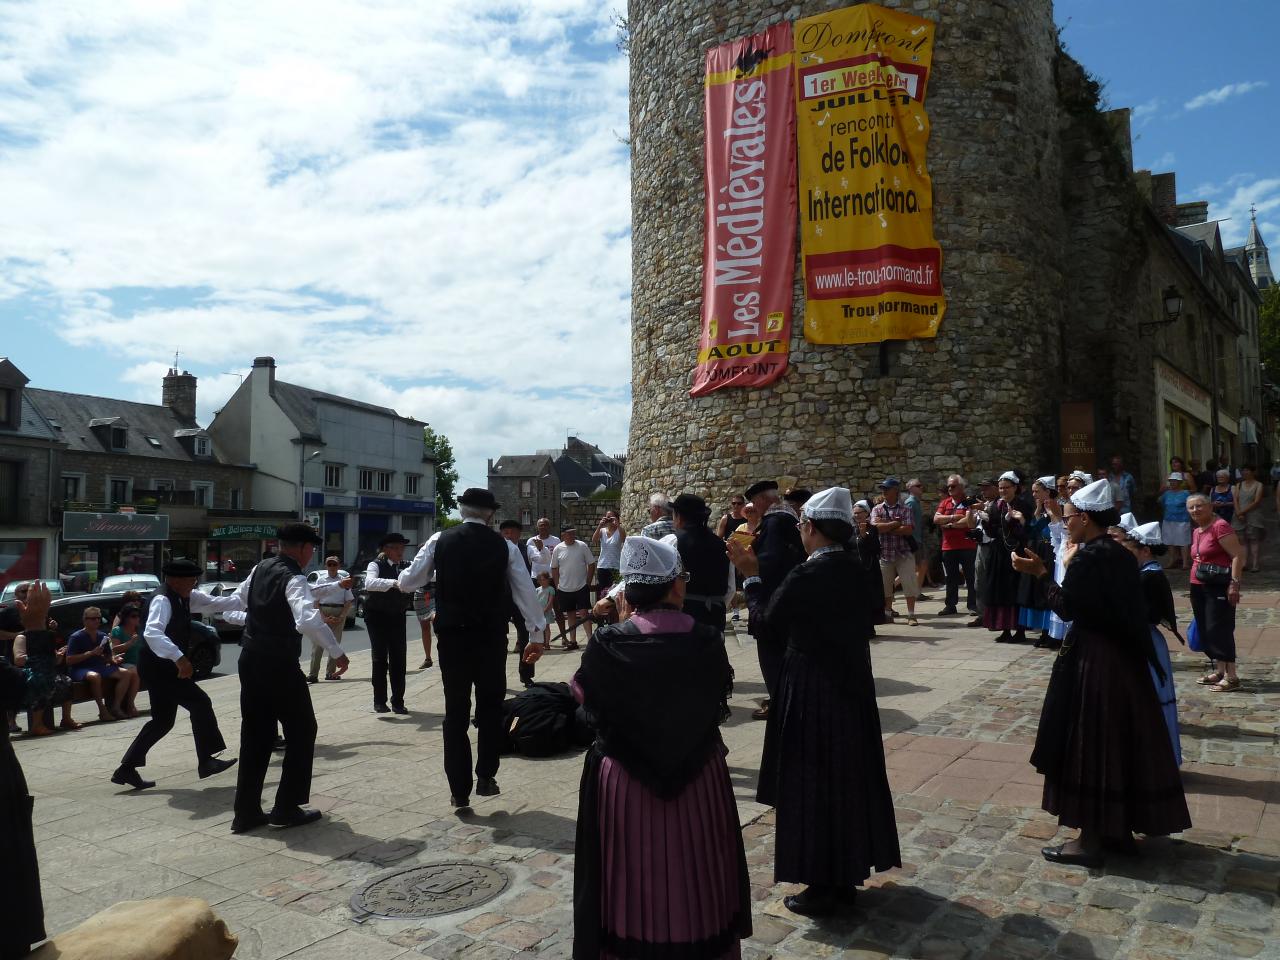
<point x="38" y="470"/>
<point x="972" y="399"/>
<point x="144" y="470"/>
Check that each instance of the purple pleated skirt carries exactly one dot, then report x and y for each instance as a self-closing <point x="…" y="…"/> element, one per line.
<point x="670" y="869"/>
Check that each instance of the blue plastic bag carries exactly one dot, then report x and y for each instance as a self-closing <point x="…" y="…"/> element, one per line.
<point x="1193" y="637"/>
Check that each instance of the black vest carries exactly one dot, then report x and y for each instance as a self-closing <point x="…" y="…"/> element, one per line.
<point x="179" y="627"/>
<point x="704" y="558"/>
<point x="270" y="629"/>
<point x="386" y="601"/>
<point x="472" y="590"/>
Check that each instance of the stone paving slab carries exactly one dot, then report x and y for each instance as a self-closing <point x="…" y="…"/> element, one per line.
<point x="958" y="713"/>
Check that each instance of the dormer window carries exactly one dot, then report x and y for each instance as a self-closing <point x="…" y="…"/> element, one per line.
<point x="119" y="438"/>
<point x="202" y="446"/>
<point x="8" y="406"/>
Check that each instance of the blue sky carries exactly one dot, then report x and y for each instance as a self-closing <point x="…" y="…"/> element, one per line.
<point x="1203" y="82"/>
<point x="429" y="213"/>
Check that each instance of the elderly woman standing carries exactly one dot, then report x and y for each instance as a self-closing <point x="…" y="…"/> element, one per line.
<point x="660" y="868"/>
<point x="1004" y="520"/>
<point x="823" y="766"/>
<point x="1218" y="564"/>
<point x="1175" y="527"/>
<point x="1102" y="745"/>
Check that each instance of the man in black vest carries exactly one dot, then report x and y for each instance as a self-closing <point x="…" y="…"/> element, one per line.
<point x="273" y="688"/>
<point x="165" y="669"/>
<point x="703" y="555"/>
<point x="478" y="575"/>
<point x="384" y="617"/>
<point x="778" y="548"/>
<point x="511" y="530"/>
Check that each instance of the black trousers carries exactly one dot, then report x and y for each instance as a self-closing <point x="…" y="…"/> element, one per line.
<point x="472" y="659"/>
<point x="387" y="642"/>
<point x="168" y="692"/>
<point x="770" y="650"/>
<point x="274" y="690"/>
<point x="522" y="641"/>
<point x="958" y="564"/>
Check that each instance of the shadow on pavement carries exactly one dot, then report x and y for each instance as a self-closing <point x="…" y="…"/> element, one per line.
<point x="887" y="687"/>
<point x="548" y="831"/>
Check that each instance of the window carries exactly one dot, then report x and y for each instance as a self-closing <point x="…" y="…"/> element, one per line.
<point x="332" y="475"/>
<point x="202" y="446"/>
<point x="526" y="518"/>
<point x="72" y="484"/>
<point x="119" y="490"/>
<point x="366" y="478"/>
<point x="166" y="486"/>
<point x="412" y="484"/>
<point x="8" y="407"/>
<point x="153" y="441"/>
<point x="203" y="493"/>
<point x="526" y="488"/>
<point x="410" y="526"/>
<point x="10" y="472"/>
<point x="119" y="438"/>
<point x="237" y="498"/>
<point x="379" y="481"/>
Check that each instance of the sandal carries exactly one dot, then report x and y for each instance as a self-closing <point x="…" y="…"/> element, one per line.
<point x="1209" y="679"/>
<point x="70" y="725"/>
<point x="1227" y="685"/>
<point x="912" y="622"/>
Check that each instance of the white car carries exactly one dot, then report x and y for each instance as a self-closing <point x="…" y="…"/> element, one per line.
<point x="127" y="581"/>
<point x="219" y="588"/>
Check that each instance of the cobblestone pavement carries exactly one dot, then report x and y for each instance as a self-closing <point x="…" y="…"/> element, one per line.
<point x="959" y="714"/>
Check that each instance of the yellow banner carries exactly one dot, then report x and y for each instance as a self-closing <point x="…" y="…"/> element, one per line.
<point x="872" y="268"/>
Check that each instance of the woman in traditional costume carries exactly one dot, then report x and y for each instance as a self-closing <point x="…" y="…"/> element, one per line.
<point x="1102" y="745"/>
<point x="1144" y="543"/>
<point x="823" y="766"/>
<point x="1033" y="607"/>
<point x="660" y="869"/>
<point x="1004" y="522"/>
<point x="865" y="545"/>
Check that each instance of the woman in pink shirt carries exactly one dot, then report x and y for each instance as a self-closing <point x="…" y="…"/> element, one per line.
<point x="1215" y="592"/>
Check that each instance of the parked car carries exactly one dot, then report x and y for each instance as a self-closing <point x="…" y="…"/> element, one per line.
<point x="357" y="590"/>
<point x="127" y="581"/>
<point x="358" y="587"/>
<point x="218" y="588"/>
<point x="205" y="652"/>
<point x="10" y="590"/>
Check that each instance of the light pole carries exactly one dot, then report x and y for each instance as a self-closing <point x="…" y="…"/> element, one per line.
<point x="302" y="466"/>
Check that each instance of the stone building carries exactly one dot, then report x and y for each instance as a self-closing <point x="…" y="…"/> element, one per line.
<point x="30" y="461"/>
<point x="1055" y="269"/>
<point x="527" y="487"/>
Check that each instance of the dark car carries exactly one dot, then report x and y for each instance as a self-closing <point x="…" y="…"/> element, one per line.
<point x="205" y="652"/>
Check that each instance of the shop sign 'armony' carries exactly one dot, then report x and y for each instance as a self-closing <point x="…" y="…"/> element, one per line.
<point x="749" y="258"/>
<point x="872" y="268"/>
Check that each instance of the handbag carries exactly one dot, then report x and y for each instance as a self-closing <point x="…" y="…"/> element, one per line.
<point x="1193" y="637"/>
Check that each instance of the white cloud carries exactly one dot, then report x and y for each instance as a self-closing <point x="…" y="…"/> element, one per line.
<point x="1231" y="205"/>
<point x="1211" y="98"/>
<point x="1144" y="113"/>
<point x="420" y="209"/>
<point x="1165" y="161"/>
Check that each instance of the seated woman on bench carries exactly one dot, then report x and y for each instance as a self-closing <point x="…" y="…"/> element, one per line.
<point x="89" y="658"/>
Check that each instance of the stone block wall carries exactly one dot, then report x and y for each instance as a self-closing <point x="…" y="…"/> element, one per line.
<point x="98" y="466"/>
<point x="38" y="466"/>
<point x="974" y="398"/>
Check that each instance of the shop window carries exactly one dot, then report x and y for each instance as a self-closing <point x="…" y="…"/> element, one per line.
<point x="119" y="490"/>
<point x="10" y="473"/>
<point x="412" y="484"/>
<point x="203" y="493"/>
<point x="333" y="475"/>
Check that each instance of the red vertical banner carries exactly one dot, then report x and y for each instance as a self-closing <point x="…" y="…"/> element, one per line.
<point x="748" y="264"/>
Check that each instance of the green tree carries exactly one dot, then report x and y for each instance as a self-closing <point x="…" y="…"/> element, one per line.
<point x="1269" y="332"/>
<point x="439" y="447"/>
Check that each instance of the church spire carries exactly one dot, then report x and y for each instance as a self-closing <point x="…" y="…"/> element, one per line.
<point x="1255" y="252"/>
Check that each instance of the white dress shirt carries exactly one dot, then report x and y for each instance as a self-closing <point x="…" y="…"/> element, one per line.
<point x="540" y="560"/>
<point x="306" y="612"/>
<point x="376" y="584"/>
<point x="329" y="591"/>
<point x="424" y="563"/>
<point x="160" y="611"/>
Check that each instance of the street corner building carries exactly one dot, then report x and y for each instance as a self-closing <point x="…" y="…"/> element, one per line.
<point x="1030" y="299"/>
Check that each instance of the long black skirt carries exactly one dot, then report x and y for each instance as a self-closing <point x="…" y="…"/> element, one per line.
<point x="823" y="770"/>
<point x="1103" y="746"/>
<point x="21" y="907"/>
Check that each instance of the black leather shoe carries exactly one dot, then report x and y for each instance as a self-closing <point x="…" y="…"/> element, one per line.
<point x="975" y="622"/>
<point x="280" y="744"/>
<point x="399" y="708"/>
<point x="129" y="777"/>
<point x="381" y="708"/>
<point x="487" y="787"/>
<point x="815" y="902"/>
<point x="245" y="824"/>
<point x="459" y="803"/>
<point x="1055" y="855"/>
<point x="948" y="612"/>
<point x="214" y="765"/>
<point x="297" y="817"/>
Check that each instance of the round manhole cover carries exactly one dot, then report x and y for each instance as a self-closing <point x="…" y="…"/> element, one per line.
<point x="430" y="890"/>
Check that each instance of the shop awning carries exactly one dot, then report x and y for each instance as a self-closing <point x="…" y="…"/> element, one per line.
<point x="98" y="527"/>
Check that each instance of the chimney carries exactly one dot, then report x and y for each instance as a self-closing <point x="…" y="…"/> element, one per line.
<point x="269" y="365"/>
<point x="1164" y="197"/>
<point x="179" y="394"/>
<point x="1197" y="211"/>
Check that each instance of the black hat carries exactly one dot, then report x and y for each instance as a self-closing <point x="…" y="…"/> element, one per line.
<point x="298" y="533"/>
<point x="760" y="486"/>
<point x="181" y="567"/>
<point x="691" y="507"/>
<point x="393" y="538"/>
<point x="478" y="497"/>
<point x="797" y="495"/>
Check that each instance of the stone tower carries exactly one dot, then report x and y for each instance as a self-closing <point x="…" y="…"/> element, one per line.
<point x="975" y="398"/>
<point x="1255" y="252"/>
<point x="179" y="394"/>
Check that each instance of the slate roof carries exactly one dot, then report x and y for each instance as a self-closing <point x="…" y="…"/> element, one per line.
<point x="31" y="424"/>
<point x="73" y="412"/>
<point x="574" y="477"/>
<point x="299" y="405"/>
<point x="531" y="465"/>
<point x="1201" y="232"/>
